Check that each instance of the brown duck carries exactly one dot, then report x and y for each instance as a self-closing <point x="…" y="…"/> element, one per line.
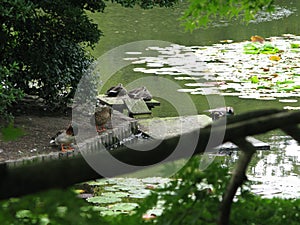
<point x="101" y="117"/>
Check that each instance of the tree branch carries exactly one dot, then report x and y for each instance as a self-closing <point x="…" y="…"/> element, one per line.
<point x="62" y="173"/>
<point x="237" y="179"/>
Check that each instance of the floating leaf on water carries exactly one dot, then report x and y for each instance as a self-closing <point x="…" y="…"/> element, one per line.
<point x="288" y="100"/>
<point x="98" y="182"/>
<point x="287" y="89"/>
<point x="111" y="188"/>
<point x="186" y="78"/>
<point x="155" y="180"/>
<point x="285" y="82"/>
<point x="274" y="58"/>
<point x="155" y="64"/>
<point x="254" y="79"/>
<point x="291" y="108"/>
<point x="233" y="66"/>
<point x="103" y="199"/>
<point x="266" y="98"/>
<point x="295" y="45"/>
<point x="111" y="213"/>
<point x="295" y="50"/>
<point x="124" y="207"/>
<point x="133" y="53"/>
<point x="139" y="193"/>
<point x="130" y="59"/>
<point x="117" y="194"/>
<point x="269" y="49"/>
<point x="263" y="87"/>
<point x="250" y="96"/>
<point x="186" y="90"/>
<point x="257" y="38"/>
<point x="124" y="187"/>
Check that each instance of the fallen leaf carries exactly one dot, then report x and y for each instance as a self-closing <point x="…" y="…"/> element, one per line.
<point x="274" y="58"/>
<point x="257" y="38"/>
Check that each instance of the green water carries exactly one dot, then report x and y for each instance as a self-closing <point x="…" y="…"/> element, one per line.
<point x="121" y="26"/>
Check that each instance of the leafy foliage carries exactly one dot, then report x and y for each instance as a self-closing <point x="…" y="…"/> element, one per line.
<point x="55" y="207"/>
<point x="193" y="197"/>
<point x="201" y="12"/>
<point x="42" y="47"/>
<point x="46" y="39"/>
<point x="146" y="4"/>
<point x="8" y="92"/>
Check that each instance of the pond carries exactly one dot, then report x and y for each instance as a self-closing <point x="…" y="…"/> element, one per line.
<point x="276" y="171"/>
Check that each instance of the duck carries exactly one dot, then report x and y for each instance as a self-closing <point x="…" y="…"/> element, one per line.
<point x="101" y="116"/>
<point x="65" y="138"/>
<point x="116" y="91"/>
<point x="220" y="112"/>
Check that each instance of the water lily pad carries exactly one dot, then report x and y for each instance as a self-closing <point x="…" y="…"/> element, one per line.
<point x="291" y="108"/>
<point x="254" y="79"/>
<point x="124" y="207"/>
<point x="111" y="213"/>
<point x="103" y="199"/>
<point x="139" y="193"/>
<point x="155" y="180"/>
<point x="133" y="53"/>
<point x="98" y="182"/>
<point x="266" y="98"/>
<point x="276" y="75"/>
<point x="295" y="45"/>
<point x="115" y="194"/>
<point x="288" y="100"/>
<point x="111" y="188"/>
<point x="186" y="90"/>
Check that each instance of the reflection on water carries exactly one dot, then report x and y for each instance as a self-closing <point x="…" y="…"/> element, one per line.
<point x="279" y="13"/>
<point x="276" y="173"/>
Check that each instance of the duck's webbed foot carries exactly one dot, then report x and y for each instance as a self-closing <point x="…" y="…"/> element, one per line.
<point x="66" y="148"/>
<point x="100" y="130"/>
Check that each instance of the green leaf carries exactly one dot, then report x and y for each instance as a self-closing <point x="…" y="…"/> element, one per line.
<point x="103" y="199"/>
<point x="24" y="214"/>
<point x="124" y="206"/>
<point x="285" y="82"/>
<point x="295" y="45"/>
<point x="254" y="79"/>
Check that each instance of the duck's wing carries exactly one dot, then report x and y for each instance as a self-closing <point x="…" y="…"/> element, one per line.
<point x="101" y="118"/>
<point x="53" y="139"/>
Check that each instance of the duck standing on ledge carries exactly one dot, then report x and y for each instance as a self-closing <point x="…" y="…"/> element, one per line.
<point x="101" y="117"/>
<point x="65" y="138"/>
<point x="218" y="113"/>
